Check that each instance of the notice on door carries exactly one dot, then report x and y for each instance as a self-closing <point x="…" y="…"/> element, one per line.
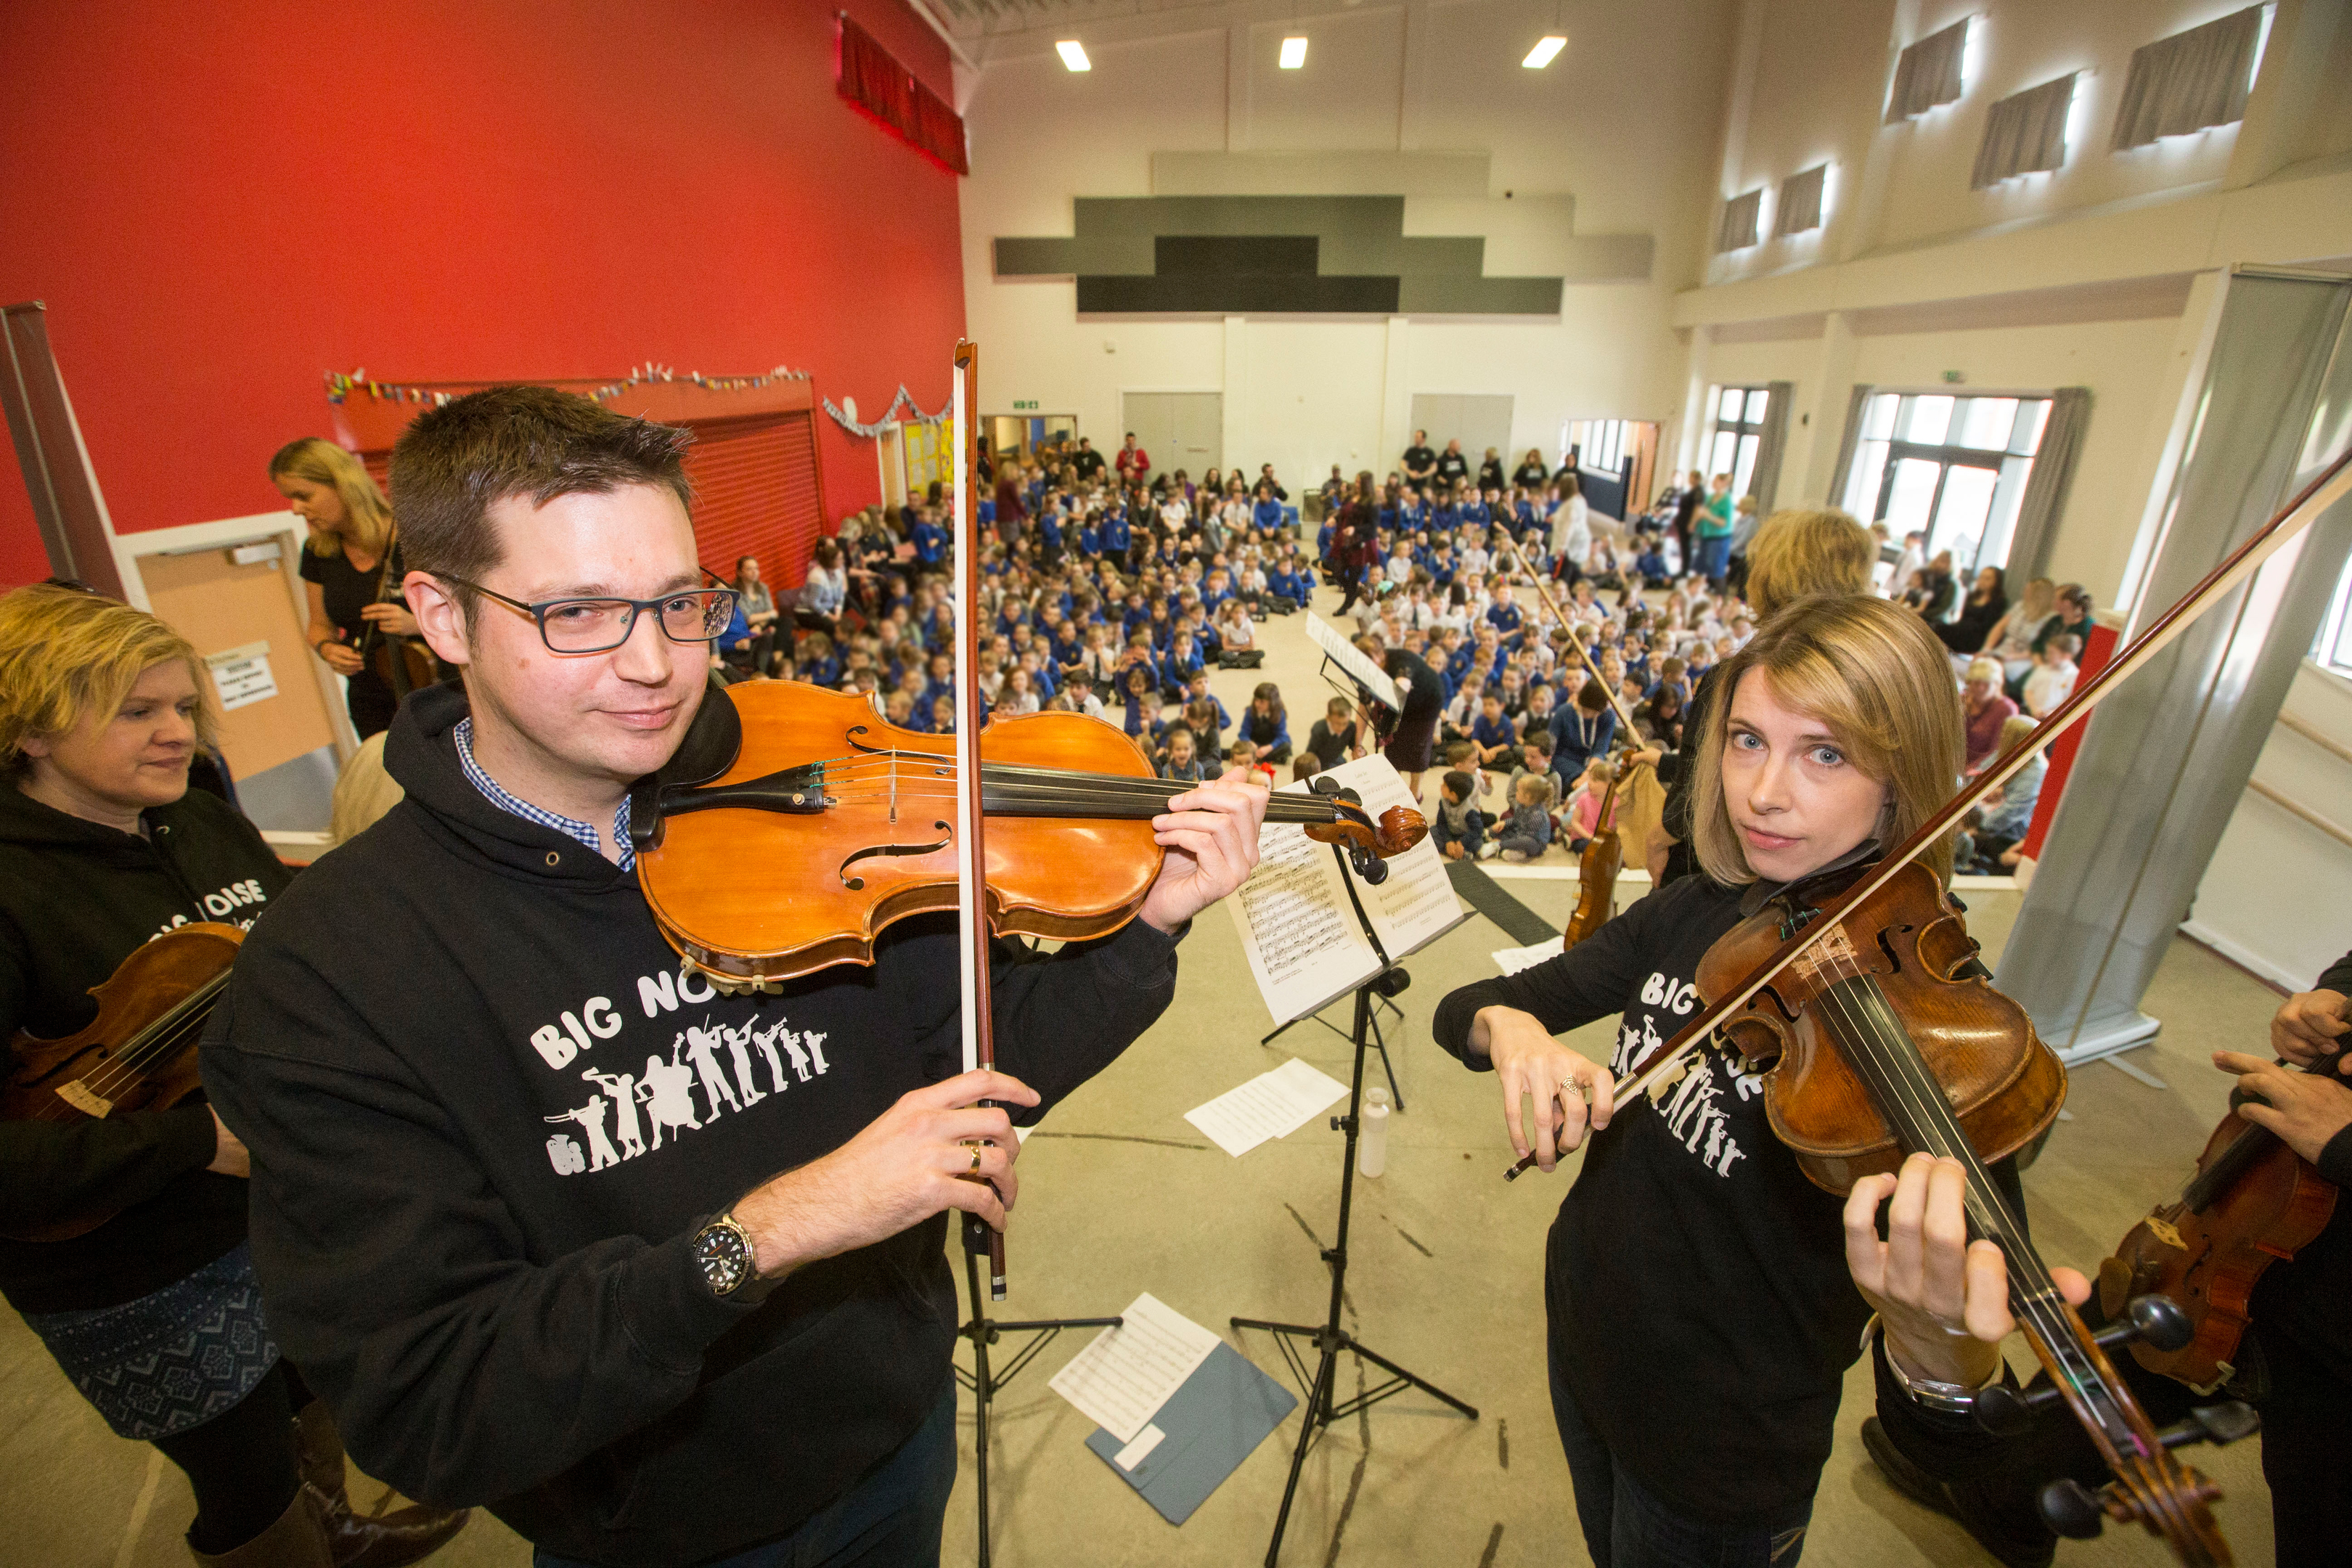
<point x="242" y="676"/>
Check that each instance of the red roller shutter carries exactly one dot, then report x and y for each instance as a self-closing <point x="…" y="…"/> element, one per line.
<point x="755" y="493"/>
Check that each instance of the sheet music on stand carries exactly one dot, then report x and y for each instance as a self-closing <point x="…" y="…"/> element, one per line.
<point x="1357" y="663"/>
<point x="1305" y="944"/>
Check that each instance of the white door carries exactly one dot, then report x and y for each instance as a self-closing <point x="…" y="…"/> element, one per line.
<point x="1179" y="429"/>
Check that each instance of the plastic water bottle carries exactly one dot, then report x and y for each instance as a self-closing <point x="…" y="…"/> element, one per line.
<point x="1372" y="1137"/>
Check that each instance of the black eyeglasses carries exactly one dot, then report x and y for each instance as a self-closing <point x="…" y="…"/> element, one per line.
<point x="600" y="625"/>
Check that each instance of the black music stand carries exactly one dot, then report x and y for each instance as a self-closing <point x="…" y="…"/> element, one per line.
<point x="1379" y="1041"/>
<point x="983" y="1332"/>
<point x="1329" y="1338"/>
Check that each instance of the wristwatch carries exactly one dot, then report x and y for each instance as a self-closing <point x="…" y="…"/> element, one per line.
<point x="730" y="1267"/>
<point x="1932" y="1394"/>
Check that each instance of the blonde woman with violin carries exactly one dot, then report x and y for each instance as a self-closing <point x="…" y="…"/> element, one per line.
<point x="1702" y="1303"/>
<point x="154" y="1312"/>
<point x="348" y="563"/>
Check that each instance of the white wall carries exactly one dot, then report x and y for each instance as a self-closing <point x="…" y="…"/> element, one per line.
<point x="1627" y="123"/>
<point x="2268" y="900"/>
<point x="2123" y="362"/>
<point x="2101" y="275"/>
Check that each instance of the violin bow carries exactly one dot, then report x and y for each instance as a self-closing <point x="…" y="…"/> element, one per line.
<point x="972" y="854"/>
<point x="1592" y="671"/>
<point x="2331" y="485"/>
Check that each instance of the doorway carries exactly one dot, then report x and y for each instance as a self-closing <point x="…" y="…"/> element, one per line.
<point x="1177" y="429"/>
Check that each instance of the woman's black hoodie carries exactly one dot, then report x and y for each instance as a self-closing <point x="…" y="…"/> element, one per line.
<point x="76" y="897"/>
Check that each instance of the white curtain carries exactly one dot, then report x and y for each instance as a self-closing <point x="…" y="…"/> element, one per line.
<point x="2053" y="476"/>
<point x="1929" y="73"/>
<point x="1764" y="479"/>
<point x="1857" y="404"/>
<point x="2024" y="134"/>
<point x="1800" y="206"/>
<point x="2190" y="81"/>
<point x="1740" y="217"/>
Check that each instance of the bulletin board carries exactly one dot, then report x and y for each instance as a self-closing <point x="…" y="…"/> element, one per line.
<point x="246" y="611"/>
<point x="931" y="455"/>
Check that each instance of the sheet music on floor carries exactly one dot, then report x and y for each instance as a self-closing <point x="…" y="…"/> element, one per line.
<point x="1305" y="944"/>
<point x="1272" y="1105"/>
<point x="1123" y="1377"/>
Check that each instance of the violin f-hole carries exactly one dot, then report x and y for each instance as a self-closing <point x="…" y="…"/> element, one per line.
<point x="858" y="884"/>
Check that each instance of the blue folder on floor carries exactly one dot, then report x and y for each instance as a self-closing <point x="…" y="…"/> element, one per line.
<point x="1213" y="1422"/>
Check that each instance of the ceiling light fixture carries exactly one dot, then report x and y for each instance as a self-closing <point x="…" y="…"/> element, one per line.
<point x="1293" y="53"/>
<point x="1545" y="51"/>
<point x="1073" y="55"/>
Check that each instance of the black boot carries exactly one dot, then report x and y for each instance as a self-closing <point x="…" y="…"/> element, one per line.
<point x="405" y="1536"/>
<point x="2017" y="1547"/>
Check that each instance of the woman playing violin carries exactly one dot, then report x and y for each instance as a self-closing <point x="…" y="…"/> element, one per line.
<point x="1704" y="1299"/>
<point x="154" y="1314"/>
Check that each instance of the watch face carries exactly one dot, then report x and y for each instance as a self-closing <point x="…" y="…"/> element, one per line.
<point x="726" y="1259"/>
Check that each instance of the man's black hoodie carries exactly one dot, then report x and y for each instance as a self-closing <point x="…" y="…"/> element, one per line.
<point x="487" y="1116"/>
<point x="76" y="897"/>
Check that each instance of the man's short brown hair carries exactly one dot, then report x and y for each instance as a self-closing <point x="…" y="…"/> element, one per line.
<point x="460" y="459"/>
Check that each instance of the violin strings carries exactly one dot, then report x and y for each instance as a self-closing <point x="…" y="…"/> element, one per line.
<point x="158" y="1042"/>
<point x="1903" y="1077"/>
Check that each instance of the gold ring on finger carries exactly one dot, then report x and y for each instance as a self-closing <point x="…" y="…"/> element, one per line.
<point x="976" y="1158"/>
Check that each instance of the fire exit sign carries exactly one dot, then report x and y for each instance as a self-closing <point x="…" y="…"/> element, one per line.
<point x="1017" y="404"/>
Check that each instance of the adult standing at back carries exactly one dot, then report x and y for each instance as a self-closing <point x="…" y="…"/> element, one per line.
<point x="1686" y="505"/>
<point x="1087" y="463"/>
<point x="1711" y="526"/>
<point x="1532" y="470"/>
<point x="1571" y="531"/>
<point x="346" y="563"/>
<point x="1420" y="462"/>
<point x="1133" y="463"/>
<point x="1451" y="465"/>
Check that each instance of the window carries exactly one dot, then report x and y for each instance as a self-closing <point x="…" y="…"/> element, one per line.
<point x="2191" y="81"/>
<point x="1600" y="444"/>
<point x="1735" y="427"/>
<point x="2334" y="649"/>
<point x="1800" y="208"/>
<point x="1743" y="218"/>
<point x="1929" y="73"/>
<point x="1951" y="468"/>
<point x="2025" y="133"/>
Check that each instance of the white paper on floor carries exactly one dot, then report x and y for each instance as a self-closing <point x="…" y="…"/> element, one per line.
<point x="1272" y="1105"/>
<point x="1511" y="960"/>
<point x="1120" y="1381"/>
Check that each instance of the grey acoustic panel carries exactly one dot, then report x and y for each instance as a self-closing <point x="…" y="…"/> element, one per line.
<point x="1348" y="255"/>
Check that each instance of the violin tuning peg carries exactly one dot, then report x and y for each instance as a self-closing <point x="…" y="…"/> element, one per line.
<point x="2006" y="1411"/>
<point x="2073" y="1510"/>
<point x="2157" y="1322"/>
<point x="2216" y="1424"/>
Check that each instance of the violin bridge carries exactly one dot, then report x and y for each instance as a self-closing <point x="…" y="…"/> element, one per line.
<point x="86" y="1099"/>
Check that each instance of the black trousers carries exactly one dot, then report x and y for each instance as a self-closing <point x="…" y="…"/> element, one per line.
<point x="241" y="1463"/>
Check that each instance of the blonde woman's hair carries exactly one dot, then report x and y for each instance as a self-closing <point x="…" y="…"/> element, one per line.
<point x="1983" y="669"/>
<point x="367" y="516"/>
<point x="1797" y="554"/>
<point x="66" y="653"/>
<point x="1875" y="675"/>
<point x="2041" y="598"/>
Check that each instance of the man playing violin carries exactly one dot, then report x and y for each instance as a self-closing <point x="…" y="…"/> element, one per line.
<point x="652" y="1271"/>
<point x="1704" y="1299"/>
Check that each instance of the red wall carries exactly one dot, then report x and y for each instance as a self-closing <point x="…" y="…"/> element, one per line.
<point x="220" y="202"/>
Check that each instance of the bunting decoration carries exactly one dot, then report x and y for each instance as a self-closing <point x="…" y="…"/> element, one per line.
<point x="868" y="432"/>
<point x="339" y="385"/>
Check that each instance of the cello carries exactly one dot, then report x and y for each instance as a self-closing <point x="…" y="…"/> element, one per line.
<point x="1857" y="997"/>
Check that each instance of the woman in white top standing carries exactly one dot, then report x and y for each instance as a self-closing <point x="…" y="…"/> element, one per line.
<point x="1571" y="529"/>
<point x="827" y="585"/>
